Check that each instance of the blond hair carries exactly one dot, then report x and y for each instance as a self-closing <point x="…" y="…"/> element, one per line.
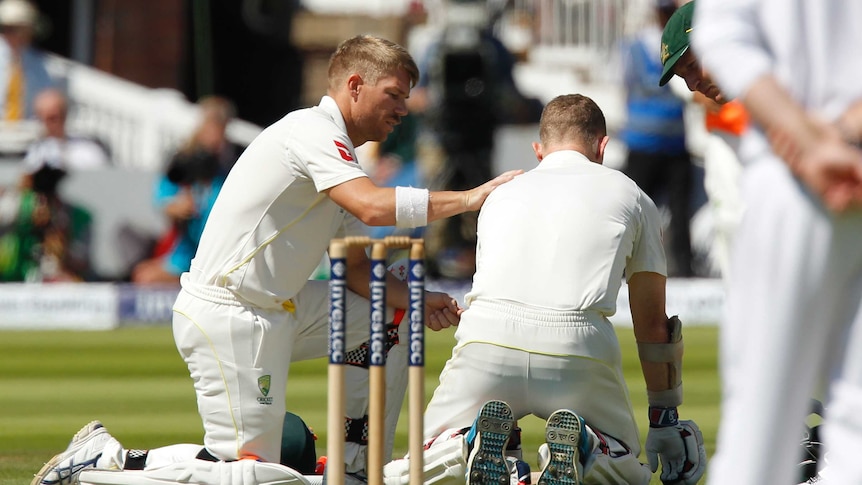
<point x="572" y="118"/>
<point x="370" y="57"/>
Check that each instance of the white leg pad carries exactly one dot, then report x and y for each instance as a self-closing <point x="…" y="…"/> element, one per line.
<point x="613" y="471"/>
<point x="200" y="472"/>
<point x="445" y="464"/>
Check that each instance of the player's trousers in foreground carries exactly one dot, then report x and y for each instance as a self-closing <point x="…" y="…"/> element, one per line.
<point x="239" y="355"/>
<point x="793" y="321"/>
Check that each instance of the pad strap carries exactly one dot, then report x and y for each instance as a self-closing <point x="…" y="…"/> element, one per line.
<point x="358" y="357"/>
<point x="356" y="430"/>
<point x="135" y="459"/>
<point x="205" y="455"/>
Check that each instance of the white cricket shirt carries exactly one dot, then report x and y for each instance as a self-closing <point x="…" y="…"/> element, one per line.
<point x="562" y="235"/>
<point x="271" y="223"/>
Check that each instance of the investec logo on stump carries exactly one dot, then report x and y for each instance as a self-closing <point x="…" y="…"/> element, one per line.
<point x="337" y="289"/>
<point x="417" y="314"/>
<point x="377" y="347"/>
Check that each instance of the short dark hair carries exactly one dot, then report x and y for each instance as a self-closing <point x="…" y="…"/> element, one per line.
<point x="572" y="117"/>
<point x="370" y="57"/>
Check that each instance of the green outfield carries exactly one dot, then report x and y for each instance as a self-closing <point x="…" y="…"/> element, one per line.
<point x="52" y="383"/>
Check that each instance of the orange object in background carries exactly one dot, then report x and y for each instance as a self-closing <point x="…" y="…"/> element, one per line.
<point x="732" y="118"/>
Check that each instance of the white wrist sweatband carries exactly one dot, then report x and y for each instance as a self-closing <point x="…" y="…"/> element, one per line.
<point x="411" y="207"/>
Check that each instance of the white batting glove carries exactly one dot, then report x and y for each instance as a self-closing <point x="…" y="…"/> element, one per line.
<point x="680" y="449"/>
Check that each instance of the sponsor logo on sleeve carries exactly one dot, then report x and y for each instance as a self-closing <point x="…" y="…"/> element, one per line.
<point x="344" y="151"/>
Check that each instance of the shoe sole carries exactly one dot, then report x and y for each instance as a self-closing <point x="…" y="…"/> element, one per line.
<point x="80" y="439"/>
<point x="563" y="434"/>
<point x="487" y="465"/>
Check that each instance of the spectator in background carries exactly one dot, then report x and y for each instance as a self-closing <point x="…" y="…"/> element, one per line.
<point x="22" y="67"/>
<point x="654" y="133"/>
<point x="57" y="148"/>
<point x="187" y="191"/>
<point x="465" y="91"/>
<point x="42" y="238"/>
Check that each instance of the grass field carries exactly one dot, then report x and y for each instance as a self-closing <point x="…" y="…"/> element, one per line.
<point x="52" y="383"/>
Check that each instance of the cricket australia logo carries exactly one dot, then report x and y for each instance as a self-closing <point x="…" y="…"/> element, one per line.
<point x="665" y="53"/>
<point x="263" y="383"/>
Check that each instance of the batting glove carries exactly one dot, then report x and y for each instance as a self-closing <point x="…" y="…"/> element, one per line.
<point x="678" y="445"/>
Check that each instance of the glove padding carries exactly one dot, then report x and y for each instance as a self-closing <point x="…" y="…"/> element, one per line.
<point x="681" y="450"/>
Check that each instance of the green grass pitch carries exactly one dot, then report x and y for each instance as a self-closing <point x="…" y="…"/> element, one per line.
<point x="133" y="380"/>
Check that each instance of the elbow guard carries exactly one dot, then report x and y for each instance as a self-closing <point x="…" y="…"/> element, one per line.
<point x="671" y="354"/>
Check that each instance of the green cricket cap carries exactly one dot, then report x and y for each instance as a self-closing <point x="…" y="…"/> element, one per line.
<point x="674" y="40"/>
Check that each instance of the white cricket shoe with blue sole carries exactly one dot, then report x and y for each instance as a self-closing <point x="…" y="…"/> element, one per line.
<point x="83" y="453"/>
<point x="567" y="441"/>
<point x="487" y="439"/>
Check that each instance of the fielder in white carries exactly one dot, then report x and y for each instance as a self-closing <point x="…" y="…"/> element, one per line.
<point x="554" y="247"/>
<point x="793" y="308"/>
<point x="246" y="309"/>
<point x="725" y="122"/>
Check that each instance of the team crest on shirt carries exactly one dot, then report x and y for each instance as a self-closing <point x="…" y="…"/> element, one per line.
<point x="263" y="383"/>
<point x="343" y="151"/>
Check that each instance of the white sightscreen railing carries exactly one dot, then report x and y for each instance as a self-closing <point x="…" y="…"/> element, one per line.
<point x="142" y="127"/>
<point x="580" y="34"/>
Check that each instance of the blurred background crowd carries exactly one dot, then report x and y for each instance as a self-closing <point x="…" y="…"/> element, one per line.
<point x="120" y="120"/>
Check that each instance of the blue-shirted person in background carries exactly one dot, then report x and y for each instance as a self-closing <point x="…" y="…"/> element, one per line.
<point x="654" y="134"/>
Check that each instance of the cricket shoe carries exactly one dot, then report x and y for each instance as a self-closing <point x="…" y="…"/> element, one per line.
<point x="487" y="440"/>
<point x="83" y="453"/>
<point x="568" y="446"/>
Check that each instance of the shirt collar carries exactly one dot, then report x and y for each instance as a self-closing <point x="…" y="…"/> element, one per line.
<point x="561" y="158"/>
<point x="327" y="103"/>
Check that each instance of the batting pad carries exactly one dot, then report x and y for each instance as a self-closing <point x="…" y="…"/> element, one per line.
<point x="445" y="464"/>
<point x="200" y="472"/>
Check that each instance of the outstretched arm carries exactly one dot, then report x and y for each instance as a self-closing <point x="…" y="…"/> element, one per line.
<point x="376" y="206"/>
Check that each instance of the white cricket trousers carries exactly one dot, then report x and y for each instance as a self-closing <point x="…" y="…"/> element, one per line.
<point x="589" y="382"/>
<point x="239" y="355"/>
<point x="792" y="320"/>
<point x="722" y="171"/>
